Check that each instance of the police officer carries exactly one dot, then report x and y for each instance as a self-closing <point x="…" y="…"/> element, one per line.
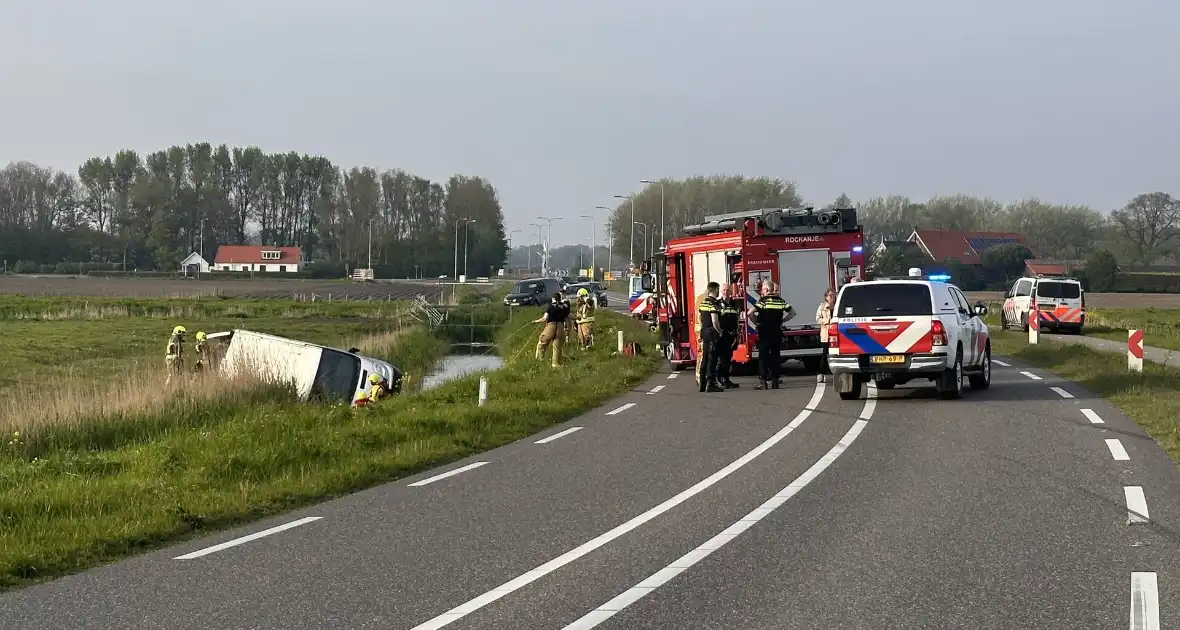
<point x="728" y="342"/>
<point x="709" y="334"/>
<point x="770" y="312"/>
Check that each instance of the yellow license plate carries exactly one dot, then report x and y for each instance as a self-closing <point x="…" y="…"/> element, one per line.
<point x="889" y="358"/>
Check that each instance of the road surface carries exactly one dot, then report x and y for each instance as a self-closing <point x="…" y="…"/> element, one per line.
<point x="1016" y="507"/>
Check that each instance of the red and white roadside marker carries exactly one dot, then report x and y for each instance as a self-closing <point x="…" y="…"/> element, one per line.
<point x="1135" y="350"/>
<point x="1034" y="325"/>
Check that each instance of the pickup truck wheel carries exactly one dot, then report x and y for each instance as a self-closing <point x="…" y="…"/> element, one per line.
<point x="983" y="379"/>
<point x="850" y="386"/>
<point x="950" y="386"/>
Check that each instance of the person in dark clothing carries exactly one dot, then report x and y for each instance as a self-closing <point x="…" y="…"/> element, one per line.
<point x="770" y="312"/>
<point x="556" y="314"/>
<point x="708" y="334"/>
<point x="728" y="341"/>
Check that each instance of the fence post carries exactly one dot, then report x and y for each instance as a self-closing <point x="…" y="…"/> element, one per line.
<point x="1034" y="327"/>
<point x="1135" y="350"/>
<point x="483" y="391"/>
<point x="620" y="342"/>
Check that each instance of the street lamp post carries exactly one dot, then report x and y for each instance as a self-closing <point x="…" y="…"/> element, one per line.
<point x="632" y="247"/>
<point x="508" y="262"/>
<point x="548" y="241"/>
<point x="457" y="222"/>
<point x="465" y="233"/>
<point x="643" y="244"/>
<point x="370" y="242"/>
<point x="661" y="183"/>
<point x="593" y="247"/>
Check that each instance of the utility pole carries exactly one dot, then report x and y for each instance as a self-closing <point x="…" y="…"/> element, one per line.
<point x="465" y="233"/>
<point x="457" y="249"/>
<point x="661" y="183"/>
<point x="370" y="243"/>
<point x="643" y="243"/>
<point x="632" y="247"/>
<point x="593" y="248"/>
<point x="508" y="261"/>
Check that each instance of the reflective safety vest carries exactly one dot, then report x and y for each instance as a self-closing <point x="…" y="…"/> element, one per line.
<point x="729" y="318"/>
<point x="586" y="312"/>
<point x="770" y="310"/>
<point x="705" y="309"/>
<point x="175" y="347"/>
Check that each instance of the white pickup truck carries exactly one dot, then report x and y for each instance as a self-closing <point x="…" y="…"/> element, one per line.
<point x="316" y="372"/>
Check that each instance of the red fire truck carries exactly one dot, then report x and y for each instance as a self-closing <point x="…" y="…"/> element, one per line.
<point x="802" y="250"/>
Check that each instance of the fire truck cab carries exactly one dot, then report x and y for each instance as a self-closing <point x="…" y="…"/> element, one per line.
<point x="802" y="250"/>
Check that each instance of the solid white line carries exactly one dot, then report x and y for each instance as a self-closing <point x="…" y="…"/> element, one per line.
<point x="816" y="396"/>
<point x="1092" y="417"/>
<point x="620" y="409"/>
<point x="1145" y="601"/>
<point x="655" y="390"/>
<point x="245" y="539"/>
<point x="659" y="578"/>
<point x="1062" y="392"/>
<point x="1031" y="375"/>
<point x="870" y="403"/>
<point x="1136" y="505"/>
<point x="674" y="375"/>
<point x="557" y="435"/>
<point x="1117" y="451"/>
<point x="449" y="473"/>
<point x="525" y="579"/>
<point x="999" y="362"/>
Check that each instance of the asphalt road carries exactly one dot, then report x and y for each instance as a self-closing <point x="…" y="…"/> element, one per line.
<point x="672" y="509"/>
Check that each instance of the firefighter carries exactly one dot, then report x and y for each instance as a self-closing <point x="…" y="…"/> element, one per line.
<point x="174" y="354"/>
<point x="555" y="317"/>
<point x="770" y="312"/>
<point x="585" y="318"/>
<point x="378" y="387"/>
<point x="360" y="400"/>
<point x="728" y="342"/>
<point x="708" y="335"/>
<point x="201" y="349"/>
<point x="568" y="329"/>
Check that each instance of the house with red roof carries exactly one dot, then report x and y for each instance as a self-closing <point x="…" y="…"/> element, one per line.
<point x="258" y="258"/>
<point x="964" y="247"/>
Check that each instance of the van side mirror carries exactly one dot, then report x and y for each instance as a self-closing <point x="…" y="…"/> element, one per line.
<point x="980" y="310"/>
<point x="648" y="282"/>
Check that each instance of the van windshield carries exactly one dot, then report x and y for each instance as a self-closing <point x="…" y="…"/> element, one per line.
<point x="337" y="377"/>
<point x="1059" y="290"/>
<point x="636" y="284"/>
<point x="528" y="286"/>
<point x="884" y="300"/>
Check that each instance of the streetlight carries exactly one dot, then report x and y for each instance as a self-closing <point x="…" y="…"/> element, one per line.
<point x="548" y="241"/>
<point x="643" y="245"/>
<point x="465" y="232"/>
<point x="632" y="252"/>
<point x="509" y="261"/>
<point x="457" y="222"/>
<point x="370" y="243"/>
<point x="610" y="243"/>
<point x="661" y="183"/>
<point x="593" y="247"/>
<point x="530" y="267"/>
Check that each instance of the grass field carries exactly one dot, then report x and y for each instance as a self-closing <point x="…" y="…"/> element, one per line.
<point x="261" y="288"/>
<point x="95" y="488"/>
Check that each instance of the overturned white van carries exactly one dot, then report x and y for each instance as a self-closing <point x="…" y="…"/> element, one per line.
<point x="316" y="372"/>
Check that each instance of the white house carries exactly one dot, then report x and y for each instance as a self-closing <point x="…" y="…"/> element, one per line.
<point x="194" y="264"/>
<point x="258" y="258"/>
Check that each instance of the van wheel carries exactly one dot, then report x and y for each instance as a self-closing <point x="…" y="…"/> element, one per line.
<point x="1003" y="320"/>
<point x="983" y="379"/>
<point x="850" y="386"/>
<point x="950" y="386"/>
<point x="1024" y="322"/>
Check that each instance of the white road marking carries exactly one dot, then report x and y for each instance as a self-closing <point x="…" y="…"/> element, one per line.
<point x="999" y="362"/>
<point x="1062" y="392"/>
<point x="870" y="403"/>
<point x="245" y="539"/>
<point x="659" y="578"/>
<point x="620" y="409"/>
<point x="674" y="375"/>
<point x="1031" y="375"/>
<point x="1117" y="451"/>
<point x="816" y="396"/>
<point x="1136" y="505"/>
<point x="449" y="473"/>
<point x="1145" y="601"/>
<point x="557" y="435"/>
<point x="525" y="579"/>
<point x="1092" y="417"/>
<point x="655" y="390"/>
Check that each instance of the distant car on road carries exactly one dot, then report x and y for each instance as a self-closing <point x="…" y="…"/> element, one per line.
<point x="595" y="289"/>
<point x="532" y="292"/>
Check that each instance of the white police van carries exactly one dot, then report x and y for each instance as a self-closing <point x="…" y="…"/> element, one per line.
<point x="896" y="330"/>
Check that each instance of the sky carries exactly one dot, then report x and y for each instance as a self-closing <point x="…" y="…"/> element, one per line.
<point x="563" y="105"/>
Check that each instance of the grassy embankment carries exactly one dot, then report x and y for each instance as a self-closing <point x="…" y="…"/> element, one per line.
<point x="86" y="489"/>
<point x="1151" y="399"/>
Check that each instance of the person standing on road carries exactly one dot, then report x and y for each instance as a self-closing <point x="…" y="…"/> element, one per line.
<point x="174" y="354"/>
<point x="823" y="317"/>
<point x="585" y="319"/>
<point x="708" y="334"/>
<point x="770" y="312"/>
<point x="555" y="317"/>
<point x="730" y="326"/>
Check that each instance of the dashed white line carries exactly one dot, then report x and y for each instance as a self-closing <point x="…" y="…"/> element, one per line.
<point x="525" y="579"/>
<point x="449" y="473"/>
<point x="245" y="539"/>
<point x="1031" y="375"/>
<point x="1094" y="418"/>
<point x="655" y="390"/>
<point x="661" y="577"/>
<point x="1117" y="451"/>
<point x="999" y="362"/>
<point x="1136" y="505"/>
<point x="558" y="435"/>
<point x="1062" y="392"/>
<point x="620" y="409"/>
<point x="674" y="375"/>
<point x="1145" y="601"/>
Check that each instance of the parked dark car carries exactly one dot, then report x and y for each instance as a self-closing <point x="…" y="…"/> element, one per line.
<point x="532" y="292"/>
<point x="595" y="289"/>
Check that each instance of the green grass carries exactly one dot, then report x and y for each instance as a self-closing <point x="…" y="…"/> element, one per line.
<point x="1160" y="326"/>
<point x="72" y="497"/>
<point x="1151" y="399"/>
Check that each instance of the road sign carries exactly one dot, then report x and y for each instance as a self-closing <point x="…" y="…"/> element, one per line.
<point x="1135" y="350"/>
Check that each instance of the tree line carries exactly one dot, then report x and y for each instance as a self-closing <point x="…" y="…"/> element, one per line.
<point x="130" y="211"/>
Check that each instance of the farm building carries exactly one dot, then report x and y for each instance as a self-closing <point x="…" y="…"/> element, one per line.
<point x="258" y="258"/>
<point x="964" y="247"/>
<point x="194" y="264"/>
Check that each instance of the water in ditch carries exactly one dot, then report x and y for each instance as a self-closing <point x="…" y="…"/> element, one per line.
<point x="455" y="366"/>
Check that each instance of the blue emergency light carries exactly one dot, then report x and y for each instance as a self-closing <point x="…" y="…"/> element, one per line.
<point x="858" y="248"/>
<point x="941" y="277"/>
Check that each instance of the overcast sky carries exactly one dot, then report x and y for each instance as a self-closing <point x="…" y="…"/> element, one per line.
<point x="563" y="104"/>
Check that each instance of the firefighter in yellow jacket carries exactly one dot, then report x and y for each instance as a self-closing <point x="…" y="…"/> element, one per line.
<point x="585" y="319"/>
<point x="201" y="349"/>
<point x="174" y="354"/>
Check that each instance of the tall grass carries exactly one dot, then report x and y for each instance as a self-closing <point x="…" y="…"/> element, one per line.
<point x="22" y="308"/>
